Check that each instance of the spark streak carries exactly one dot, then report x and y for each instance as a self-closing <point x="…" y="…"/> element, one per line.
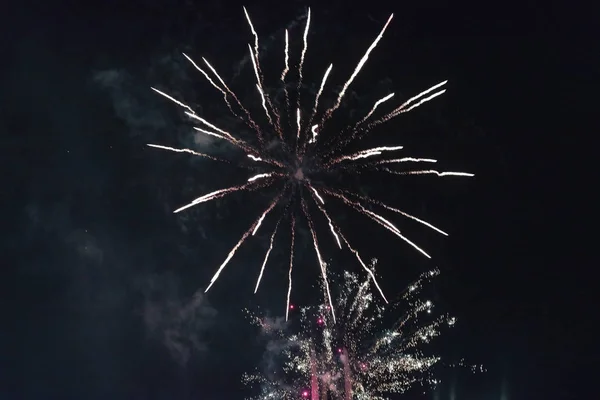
<point x="252" y="229"/>
<point x="189" y="151"/>
<point x="262" y="268"/>
<point x="356" y="71"/>
<point x="289" y="292"/>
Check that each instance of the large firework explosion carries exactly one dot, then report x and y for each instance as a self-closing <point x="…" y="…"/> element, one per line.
<point x="293" y="147"/>
<point x="357" y="357"/>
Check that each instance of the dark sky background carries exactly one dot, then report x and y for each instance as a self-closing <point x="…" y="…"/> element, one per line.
<point x="98" y="302"/>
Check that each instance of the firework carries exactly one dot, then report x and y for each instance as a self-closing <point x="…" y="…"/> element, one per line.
<point x="303" y="153"/>
<point x="355" y="358"/>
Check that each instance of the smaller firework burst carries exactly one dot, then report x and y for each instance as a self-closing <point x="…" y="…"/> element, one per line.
<point x="357" y="357"/>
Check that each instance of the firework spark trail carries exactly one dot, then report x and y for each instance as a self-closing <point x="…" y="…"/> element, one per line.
<point x="352" y="135"/>
<point x="255" y="40"/>
<point x="217" y="194"/>
<point x="260" y="176"/>
<point x="252" y="231"/>
<point x="426" y="99"/>
<point x="322" y="263"/>
<point x="365" y="154"/>
<point x="254" y="158"/>
<point x="259" y="79"/>
<point x="286" y="69"/>
<point x="250" y="122"/>
<point x="359" y="131"/>
<point x="337" y="233"/>
<point x="431" y="89"/>
<point x="304" y="48"/>
<point x="362" y="263"/>
<point x="314" y="134"/>
<point x="377" y="218"/>
<point x="298" y="124"/>
<point x="377" y="104"/>
<point x="402" y="108"/>
<point x="259" y="86"/>
<point x="406" y="159"/>
<point x="189" y="151"/>
<point x="226" y="135"/>
<point x="213" y="84"/>
<point x="264" y="214"/>
<point x="427" y="172"/>
<point x="262" y="268"/>
<point x="316" y="194"/>
<point x="211" y="134"/>
<point x="289" y="292"/>
<point x="405" y="214"/>
<point x="173" y="100"/>
<point x="314" y="110"/>
<point x="362" y="62"/>
<point x="318" y="199"/>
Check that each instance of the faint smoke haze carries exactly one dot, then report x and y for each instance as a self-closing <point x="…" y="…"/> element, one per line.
<point x="176" y="321"/>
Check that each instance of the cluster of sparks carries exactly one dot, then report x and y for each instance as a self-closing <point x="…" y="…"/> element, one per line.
<point x="305" y="153"/>
<point x="355" y="358"/>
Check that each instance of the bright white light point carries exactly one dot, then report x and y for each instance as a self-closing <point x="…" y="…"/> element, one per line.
<point x="259" y="176"/>
<point x="428" y="303"/>
<point x="254" y="158"/>
<point x="313" y="129"/>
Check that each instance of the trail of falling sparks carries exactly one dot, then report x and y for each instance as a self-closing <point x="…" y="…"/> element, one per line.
<point x="255" y="37"/>
<point x="362" y="62"/>
<point x="304" y="48"/>
<point x="223" y="192"/>
<point x="259" y="79"/>
<point x="252" y="230"/>
<point x="367" y="153"/>
<point x="259" y="86"/>
<point x="322" y="263"/>
<point x="262" y="268"/>
<point x="407" y="159"/>
<point x="377" y="218"/>
<point x="314" y="110"/>
<point x="399" y="110"/>
<point x="295" y="165"/>
<point x="226" y="135"/>
<point x="189" y="151"/>
<point x="377" y="104"/>
<point x="379" y="203"/>
<point x="337" y="233"/>
<point x="403" y="108"/>
<point x="289" y="292"/>
<point x="428" y="172"/>
<point x="286" y="69"/>
<point x="250" y="122"/>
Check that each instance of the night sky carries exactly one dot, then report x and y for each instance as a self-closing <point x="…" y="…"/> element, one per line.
<point x="97" y="301"/>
